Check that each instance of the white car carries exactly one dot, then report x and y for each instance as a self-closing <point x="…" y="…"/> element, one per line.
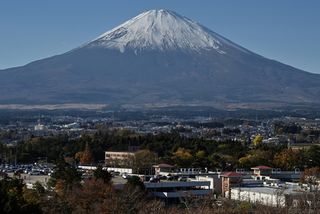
<point x="125" y="175"/>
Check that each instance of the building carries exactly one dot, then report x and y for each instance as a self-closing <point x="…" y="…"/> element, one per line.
<point x="262" y="170"/>
<point x="163" y="169"/>
<point x="175" y="191"/>
<point x="266" y="172"/>
<point x="264" y="195"/>
<point x="40" y="127"/>
<point x="215" y="181"/>
<point x="265" y="185"/>
<point x="287" y="195"/>
<point x="119" y="159"/>
<point x="229" y="180"/>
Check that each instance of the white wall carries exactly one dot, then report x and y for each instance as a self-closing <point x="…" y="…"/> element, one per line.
<point x="258" y="197"/>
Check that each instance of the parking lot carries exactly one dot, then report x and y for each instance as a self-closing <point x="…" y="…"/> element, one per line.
<point x="43" y="179"/>
<point x="31" y="177"/>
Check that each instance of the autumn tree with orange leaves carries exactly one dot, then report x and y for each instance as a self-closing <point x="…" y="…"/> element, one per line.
<point x="85" y="157"/>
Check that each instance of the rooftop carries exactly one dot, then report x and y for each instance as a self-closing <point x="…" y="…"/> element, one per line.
<point x="174" y="184"/>
<point x="272" y="190"/>
<point x="231" y="174"/>
<point x="163" y="165"/>
<point x="261" y="167"/>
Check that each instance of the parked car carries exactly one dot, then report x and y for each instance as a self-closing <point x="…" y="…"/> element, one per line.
<point x="172" y="177"/>
<point x="162" y="177"/>
<point x="154" y="180"/>
<point x="34" y="173"/>
<point x="125" y="175"/>
<point x="183" y="178"/>
<point x="18" y="171"/>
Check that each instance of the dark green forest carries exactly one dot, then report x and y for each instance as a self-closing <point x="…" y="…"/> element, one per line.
<point x="170" y="148"/>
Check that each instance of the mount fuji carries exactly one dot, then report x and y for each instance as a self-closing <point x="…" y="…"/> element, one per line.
<point x="159" y="58"/>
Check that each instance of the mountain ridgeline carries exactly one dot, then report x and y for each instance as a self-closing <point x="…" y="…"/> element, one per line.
<point x="159" y="58"/>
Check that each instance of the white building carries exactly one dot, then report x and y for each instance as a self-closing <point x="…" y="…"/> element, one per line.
<point x="40" y="127"/>
<point x="269" y="196"/>
<point x="263" y="195"/>
<point x="214" y="179"/>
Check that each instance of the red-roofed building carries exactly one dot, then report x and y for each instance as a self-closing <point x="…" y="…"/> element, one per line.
<point x="230" y="179"/>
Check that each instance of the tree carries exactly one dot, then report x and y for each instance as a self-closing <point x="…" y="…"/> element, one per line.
<point x="12" y="200"/>
<point x="311" y="177"/>
<point x="313" y="156"/>
<point x="35" y="195"/>
<point x="86" y="157"/>
<point x="201" y="160"/>
<point x="64" y="176"/>
<point x="200" y="154"/>
<point x="289" y="159"/>
<point x="143" y="160"/>
<point x="102" y="174"/>
<point x="91" y="197"/>
<point x="135" y="181"/>
<point x="182" y="157"/>
<point x="256" y="157"/>
<point x="257" y="140"/>
<point x="78" y="156"/>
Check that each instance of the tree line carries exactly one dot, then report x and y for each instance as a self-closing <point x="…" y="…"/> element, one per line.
<point x="169" y="148"/>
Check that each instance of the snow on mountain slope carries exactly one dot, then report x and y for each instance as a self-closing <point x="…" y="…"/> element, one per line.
<point x="162" y="30"/>
<point x="154" y="58"/>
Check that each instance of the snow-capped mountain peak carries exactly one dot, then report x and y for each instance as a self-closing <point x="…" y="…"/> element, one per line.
<point x="161" y="30"/>
<point x="167" y="60"/>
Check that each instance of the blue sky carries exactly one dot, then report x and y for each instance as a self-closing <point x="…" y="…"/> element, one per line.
<point x="286" y="30"/>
